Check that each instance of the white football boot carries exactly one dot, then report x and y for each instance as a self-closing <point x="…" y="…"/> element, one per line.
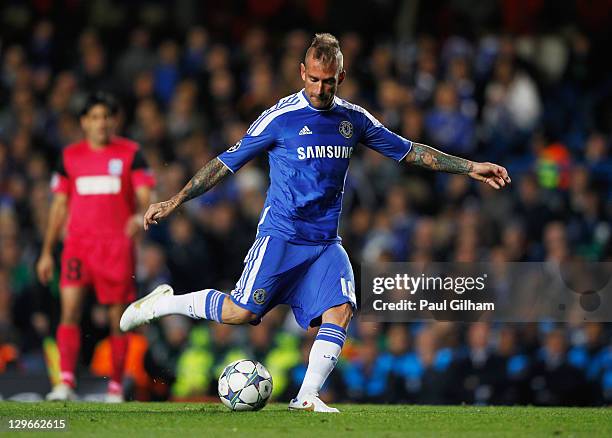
<point x="61" y="392"/>
<point x="143" y="311"/>
<point x="310" y="402"/>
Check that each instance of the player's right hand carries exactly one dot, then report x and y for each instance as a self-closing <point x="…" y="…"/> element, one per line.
<point x="158" y="211"/>
<point x="44" y="268"/>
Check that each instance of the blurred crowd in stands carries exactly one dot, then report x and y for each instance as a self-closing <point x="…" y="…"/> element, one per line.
<point x="527" y="88"/>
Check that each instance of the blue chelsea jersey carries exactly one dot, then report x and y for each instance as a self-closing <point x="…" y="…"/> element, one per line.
<point x="309" y="152"/>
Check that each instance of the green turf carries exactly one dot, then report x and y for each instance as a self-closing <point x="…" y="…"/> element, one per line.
<point x="182" y="420"/>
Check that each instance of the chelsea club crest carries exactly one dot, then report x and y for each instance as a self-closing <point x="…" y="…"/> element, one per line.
<point x="259" y="296"/>
<point x="346" y="129"/>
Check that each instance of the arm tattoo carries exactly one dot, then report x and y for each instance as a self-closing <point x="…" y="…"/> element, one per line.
<point x="204" y="180"/>
<point x="430" y="158"/>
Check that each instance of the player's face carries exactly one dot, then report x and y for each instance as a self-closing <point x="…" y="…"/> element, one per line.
<point x="98" y="125"/>
<point x="321" y="81"/>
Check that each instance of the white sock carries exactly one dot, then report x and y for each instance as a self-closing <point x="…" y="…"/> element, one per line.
<point x="323" y="357"/>
<point x="203" y="304"/>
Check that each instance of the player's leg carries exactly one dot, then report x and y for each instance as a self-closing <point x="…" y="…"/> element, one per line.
<point x="208" y="304"/>
<point x="119" y="347"/>
<point x="332" y="301"/>
<point x="68" y="340"/>
<point x="326" y="348"/>
<point x="212" y="304"/>
<point x="69" y="331"/>
<point x="74" y="281"/>
<point x="113" y="273"/>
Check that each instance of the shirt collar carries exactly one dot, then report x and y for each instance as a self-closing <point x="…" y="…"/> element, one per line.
<point x="331" y="107"/>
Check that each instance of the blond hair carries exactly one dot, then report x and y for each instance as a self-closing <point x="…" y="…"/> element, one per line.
<point x="326" y="49"/>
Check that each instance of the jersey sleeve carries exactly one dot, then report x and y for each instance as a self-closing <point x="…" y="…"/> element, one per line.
<point x="377" y="137"/>
<point x="140" y="172"/>
<point x="60" y="182"/>
<point x="261" y="135"/>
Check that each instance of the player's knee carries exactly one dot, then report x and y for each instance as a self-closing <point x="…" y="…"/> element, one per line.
<point x="234" y="314"/>
<point x="346" y="311"/>
<point x="114" y="316"/>
<point x="71" y="305"/>
<point x="340" y="315"/>
<point x="70" y="317"/>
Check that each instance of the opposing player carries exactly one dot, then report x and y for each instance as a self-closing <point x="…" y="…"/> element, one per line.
<point x="99" y="185"/>
<point x="297" y="258"/>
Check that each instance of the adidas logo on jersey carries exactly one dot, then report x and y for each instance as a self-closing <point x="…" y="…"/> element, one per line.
<point x="305" y="131"/>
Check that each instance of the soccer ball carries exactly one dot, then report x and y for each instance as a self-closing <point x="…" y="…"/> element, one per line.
<point x="245" y="385"/>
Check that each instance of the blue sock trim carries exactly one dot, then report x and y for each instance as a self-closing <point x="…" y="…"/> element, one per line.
<point x="332" y="333"/>
<point x="211" y="305"/>
<point x="334" y="328"/>
<point x="218" y="306"/>
<point x="207" y="301"/>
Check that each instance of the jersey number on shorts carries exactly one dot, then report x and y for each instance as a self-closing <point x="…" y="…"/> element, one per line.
<point x="348" y="289"/>
<point x="74" y="269"/>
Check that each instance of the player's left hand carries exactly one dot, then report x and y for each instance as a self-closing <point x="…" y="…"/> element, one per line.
<point x="133" y="225"/>
<point x="492" y="174"/>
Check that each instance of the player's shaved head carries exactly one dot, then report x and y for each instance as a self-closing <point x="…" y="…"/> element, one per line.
<point x="322" y="70"/>
<point x="325" y="48"/>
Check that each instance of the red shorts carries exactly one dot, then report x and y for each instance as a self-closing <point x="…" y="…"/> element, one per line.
<point x="105" y="264"/>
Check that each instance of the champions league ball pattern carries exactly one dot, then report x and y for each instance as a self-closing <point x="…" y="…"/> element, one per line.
<point x="245" y="385"/>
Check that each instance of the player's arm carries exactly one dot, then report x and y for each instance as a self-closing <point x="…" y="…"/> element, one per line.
<point x="205" y="179"/>
<point x="376" y="136"/>
<point x="57" y="217"/>
<point x="143" y="199"/>
<point x="262" y="133"/>
<point x="425" y="156"/>
<point x="60" y="186"/>
<point x="143" y="182"/>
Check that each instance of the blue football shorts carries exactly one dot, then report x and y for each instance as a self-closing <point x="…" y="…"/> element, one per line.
<point x="309" y="278"/>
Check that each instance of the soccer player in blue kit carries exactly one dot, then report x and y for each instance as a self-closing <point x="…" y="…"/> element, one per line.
<point x="297" y="258"/>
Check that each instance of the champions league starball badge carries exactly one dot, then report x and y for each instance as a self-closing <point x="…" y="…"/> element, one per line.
<point x="346" y="129"/>
<point x="235" y="147"/>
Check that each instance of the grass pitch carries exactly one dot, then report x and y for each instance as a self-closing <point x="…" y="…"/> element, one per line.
<point x="182" y="420"/>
